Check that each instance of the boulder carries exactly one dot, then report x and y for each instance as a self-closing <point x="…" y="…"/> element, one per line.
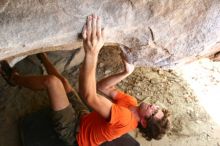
<point x="150" y="33"/>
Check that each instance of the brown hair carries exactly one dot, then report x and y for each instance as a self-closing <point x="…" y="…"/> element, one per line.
<point x="156" y="129"/>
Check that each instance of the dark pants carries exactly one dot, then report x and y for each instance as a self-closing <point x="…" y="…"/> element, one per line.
<point x="66" y="121"/>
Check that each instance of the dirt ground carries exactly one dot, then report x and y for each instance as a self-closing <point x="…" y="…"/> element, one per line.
<point x="191" y="124"/>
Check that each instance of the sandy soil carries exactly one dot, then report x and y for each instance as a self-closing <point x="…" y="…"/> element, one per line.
<point x="192" y="125"/>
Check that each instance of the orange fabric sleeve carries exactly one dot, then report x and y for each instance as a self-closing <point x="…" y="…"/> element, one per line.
<point x="125" y="100"/>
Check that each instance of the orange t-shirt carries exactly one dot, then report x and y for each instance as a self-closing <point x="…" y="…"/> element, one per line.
<point x="94" y="130"/>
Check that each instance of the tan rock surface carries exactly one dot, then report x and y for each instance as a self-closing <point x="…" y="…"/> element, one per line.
<point x="159" y="33"/>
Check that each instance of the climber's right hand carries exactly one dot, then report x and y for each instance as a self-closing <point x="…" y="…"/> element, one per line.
<point x="93" y="35"/>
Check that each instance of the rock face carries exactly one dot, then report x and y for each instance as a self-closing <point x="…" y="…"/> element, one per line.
<point x="150" y="33"/>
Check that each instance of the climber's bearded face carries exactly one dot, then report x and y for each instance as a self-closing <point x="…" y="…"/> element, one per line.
<point x="147" y="111"/>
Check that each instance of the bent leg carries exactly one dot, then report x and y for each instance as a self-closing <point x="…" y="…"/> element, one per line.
<point x="70" y="91"/>
<point x="51" y="70"/>
<point x="31" y="82"/>
<point x="57" y="93"/>
<point x="51" y="83"/>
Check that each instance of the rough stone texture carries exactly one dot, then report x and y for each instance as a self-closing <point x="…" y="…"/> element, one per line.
<point x="158" y="33"/>
<point x="191" y="124"/>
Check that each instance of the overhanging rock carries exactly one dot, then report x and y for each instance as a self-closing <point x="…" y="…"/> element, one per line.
<point x="150" y="33"/>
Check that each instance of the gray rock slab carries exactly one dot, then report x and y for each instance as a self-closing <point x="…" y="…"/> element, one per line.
<point x="150" y="33"/>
